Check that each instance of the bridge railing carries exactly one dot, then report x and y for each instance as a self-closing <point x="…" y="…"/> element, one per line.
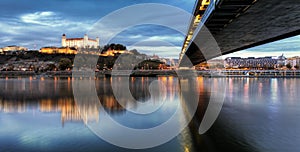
<point x="208" y="11"/>
<point x="211" y="7"/>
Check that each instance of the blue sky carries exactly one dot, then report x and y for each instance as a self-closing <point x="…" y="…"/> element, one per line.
<point x="38" y="23"/>
<point x="290" y="47"/>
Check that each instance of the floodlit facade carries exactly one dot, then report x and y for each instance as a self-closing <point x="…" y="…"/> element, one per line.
<point x="114" y="52"/>
<point x="84" y="42"/>
<point x="13" y="48"/>
<point x="56" y="50"/>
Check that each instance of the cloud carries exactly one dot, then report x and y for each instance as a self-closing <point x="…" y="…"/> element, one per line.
<point x="148" y="32"/>
<point x="167" y="38"/>
<point x="135" y="36"/>
<point x="52" y="19"/>
<point x="160" y="48"/>
<point x="30" y="23"/>
<point x="39" y="29"/>
<point x="289" y="47"/>
<point x="37" y="24"/>
<point x="129" y="22"/>
<point x="245" y="54"/>
<point x="162" y="51"/>
<point x="41" y="18"/>
<point x="285" y="45"/>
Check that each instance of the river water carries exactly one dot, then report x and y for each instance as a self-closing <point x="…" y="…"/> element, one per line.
<point x="258" y="114"/>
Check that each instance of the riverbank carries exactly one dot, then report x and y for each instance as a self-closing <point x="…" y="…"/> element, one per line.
<point x="156" y="73"/>
<point x="252" y="73"/>
<point x="108" y="73"/>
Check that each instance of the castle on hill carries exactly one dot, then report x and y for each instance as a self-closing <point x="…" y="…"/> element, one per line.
<point x="84" y="42"/>
<point x="72" y="45"/>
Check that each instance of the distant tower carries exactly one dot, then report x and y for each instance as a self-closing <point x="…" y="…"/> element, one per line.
<point x="98" y="42"/>
<point x="85" y="41"/>
<point x="63" y="40"/>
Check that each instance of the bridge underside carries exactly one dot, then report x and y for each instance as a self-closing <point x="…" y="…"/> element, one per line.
<point x="240" y="24"/>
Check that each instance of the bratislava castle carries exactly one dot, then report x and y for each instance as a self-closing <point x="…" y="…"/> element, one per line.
<point x="84" y="42"/>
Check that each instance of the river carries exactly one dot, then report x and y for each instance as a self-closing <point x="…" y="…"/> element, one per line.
<point x="258" y="114"/>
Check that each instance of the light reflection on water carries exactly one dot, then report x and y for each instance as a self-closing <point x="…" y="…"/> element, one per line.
<point x="41" y="115"/>
<point x="269" y="122"/>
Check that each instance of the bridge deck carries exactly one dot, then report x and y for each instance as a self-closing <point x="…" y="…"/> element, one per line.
<point x="242" y="24"/>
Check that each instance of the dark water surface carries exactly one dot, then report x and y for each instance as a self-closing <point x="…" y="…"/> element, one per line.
<point x="258" y="115"/>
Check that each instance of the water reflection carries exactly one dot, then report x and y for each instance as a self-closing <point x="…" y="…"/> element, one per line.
<point x="264" y="90"/>
<point x="56" y="96"/>
<point x="49" y="97"/>
<point x="258" y="114"/>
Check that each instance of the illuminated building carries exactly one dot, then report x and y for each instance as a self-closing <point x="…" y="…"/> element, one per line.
<point x="154" y="57"/>
<point x="10" y="50"/>
<point x="56" y="50"/>
<point x="251" y="62"/>
<point x="14" y="48"/>
<point x="84" y="42"/>
<point x="294" y="61"/>
<point x="110" y="52"/>
<point x="281" y="60"/>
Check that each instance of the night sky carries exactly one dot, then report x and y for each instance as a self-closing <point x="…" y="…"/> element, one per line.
<point x="38" y="23"/>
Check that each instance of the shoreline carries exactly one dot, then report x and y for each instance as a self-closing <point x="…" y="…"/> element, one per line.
<point x="154" y="73"/>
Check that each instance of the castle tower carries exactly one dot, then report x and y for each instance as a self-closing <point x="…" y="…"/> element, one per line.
<point x="63" y="40"/>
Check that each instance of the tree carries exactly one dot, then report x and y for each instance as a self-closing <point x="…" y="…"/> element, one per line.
<point x="64" y="64"/>
<point x="50" y="67"/>
<point x="113" y="46"/>
<point x="117" y="47"/>
<point x="289" y="66"/>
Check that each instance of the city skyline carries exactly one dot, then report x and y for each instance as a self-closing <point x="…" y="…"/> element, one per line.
<point x="35" y="24"/>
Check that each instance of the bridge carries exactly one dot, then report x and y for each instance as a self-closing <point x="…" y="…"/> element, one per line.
<point x="237" y="25"/>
